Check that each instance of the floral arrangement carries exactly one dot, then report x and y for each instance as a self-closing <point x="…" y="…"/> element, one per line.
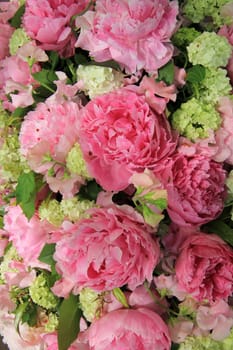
<point x="116" y="174"/>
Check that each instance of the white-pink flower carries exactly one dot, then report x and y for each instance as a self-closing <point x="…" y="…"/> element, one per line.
<point x="133" y="33"/>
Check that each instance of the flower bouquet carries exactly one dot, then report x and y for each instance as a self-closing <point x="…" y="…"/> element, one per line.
<point x="116" y="180"/>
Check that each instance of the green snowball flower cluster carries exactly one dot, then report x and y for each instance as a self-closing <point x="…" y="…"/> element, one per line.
<point x="75" y="162"/>
<point x="52" y="212"/>
<point x="184" y="36"/>
<point x="10" y="255"/>
<point x="40" y="293"/>
<point x="18" y="39"/>
<point x="52" y="324"/>
<point x="214" y="85"/>
<point x="210" y="50"/>
<point x="194" y="119"/>
<point x="90" y="303"/>
<point x="198" y="10"/>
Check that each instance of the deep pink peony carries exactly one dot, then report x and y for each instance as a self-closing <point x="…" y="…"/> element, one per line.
<point x="111" y="248"/>
<point x="204" y="267"/>
<point x="129" y="329"/>
<point x="17" y="82"/>
<point x="196" y="190"/>
<point x="224" y="135"/>
<point x="49" y="23"/>
<point x="5" y="33"/>
<point x="120" y="134"/>
<point x="133" y="33"/>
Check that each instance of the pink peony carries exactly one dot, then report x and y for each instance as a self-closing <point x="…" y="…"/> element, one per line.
<point x="204" y="267"/>
<point x="5" y="33"/>
<point x="227" y="32"/>
<point x="24" y="233"/>
<point x="196" y="190"/>
<point x="7" y="10"/>
<point x="120" y="134"/>
<point x="224" y="135"/>
<point x="135" y="34"/>
<point x="129" y="329"/>
<point x="111" y="248"/>
<point x="17" y="82"/>
<point x="47" y="135"/>
<point x="49" y="23"/>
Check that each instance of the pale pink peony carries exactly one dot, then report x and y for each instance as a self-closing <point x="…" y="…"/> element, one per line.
<point x="49" y="22"/>
<point x="204" y="267"/>
<point x="196" y="190"/>
<point x="24" y="233"/>
<point x="227" y="32"/>
<point x="224" y="135"/>
<point x="17" y="81"/>
<point x="47" y="135"/>
<point x="120" y="134"/>
<point x="5" y="33"/>
<point x="136" y="34"/>
<point x="111" y="248"/>
<point x="129" y="329"/>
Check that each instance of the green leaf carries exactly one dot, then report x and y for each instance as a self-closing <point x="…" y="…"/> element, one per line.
<point x="69" y="320"/>
<point x="222" y="230"/>
<point x="167" y="72"/>
<point x="46" y="255"/>
<point x="53" y="59"/>
<point x="46" y="78"/>
<point x="120" y="296"/>
<point x="15" y="21"/>
<point x="26" y="193"/>
<point x="89" y="191"/>
<point x="19" y="312"/>
<point x="195" y="74"/>
<point x="175" y="346"/>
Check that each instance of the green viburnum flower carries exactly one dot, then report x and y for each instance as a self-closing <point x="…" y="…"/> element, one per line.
<point x="75" y="162"/>
<point x="91" y="303"/>
<point x="52" y="323"/>
<point x="210" y="50"/>
<point x="194" y="119"/>
<point x="10" y="255"/>
<point x="18" y="39"/>
<point x="75" y="209"/>
<point x="198" y="10"/>
<point x="214" y="85"/>
<point x="99" y="80"/>
<point x="41" y="294"/>
<point x="200" y="343"/>
<point x="52" y="212"/>
<point x="184" y="36"/>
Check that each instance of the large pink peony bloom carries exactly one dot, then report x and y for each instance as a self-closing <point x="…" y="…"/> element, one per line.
<point x="204" y="267"/>
<point x="129" y="329"/>
<point x="196" y="190"/>
<point x="120" y="134"/>
<point x="47" y="135"/>
<point x="224" y="135"/>
<point x="49" y="23"/>
<point x="133" y="33"/>
<point x="111" y="248"/>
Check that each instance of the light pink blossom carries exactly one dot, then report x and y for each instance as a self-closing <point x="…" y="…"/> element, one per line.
<point x="196" y="190"/>
<point x="120" y="134"/>
<point x="5" y="33"/>
<point x="7" y="10"/>
<point x="111" y="248"/>
<point x="129" y="329"/>
<point x="204" y="267"/>
<point x="135" y="34"/>
<point x="49" y="23"/>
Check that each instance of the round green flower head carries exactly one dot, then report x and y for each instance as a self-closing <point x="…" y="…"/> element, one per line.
<point x="210" y="50"/>
<point x="198" y="10"/>
<point x="52" y="212"/>
<point x="18" y="39"/>
<point x="214" y="85"/>
<point x="52" y="324"/>
<point x="184" y="36"/>
<point x="91" y="303"/>
<point x="41" y="294"/>
<point x="74" y="209"/>
<point x="200" y="343"/>
<point x="75" y="162"/>
<point x="194" y="119"/>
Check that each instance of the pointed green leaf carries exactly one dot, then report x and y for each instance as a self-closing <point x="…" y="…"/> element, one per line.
<point x="167" y="72"/>
<point x="26" y="193"/>
<point x="46" y="255"/>
<point x="16" y="20"/>
<point x="69" y="321"/>
<point x="120" y="296"/>
<point x="196" y="74"/>
<point x="19" y="311"/>
<point x="222" y="230"/>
